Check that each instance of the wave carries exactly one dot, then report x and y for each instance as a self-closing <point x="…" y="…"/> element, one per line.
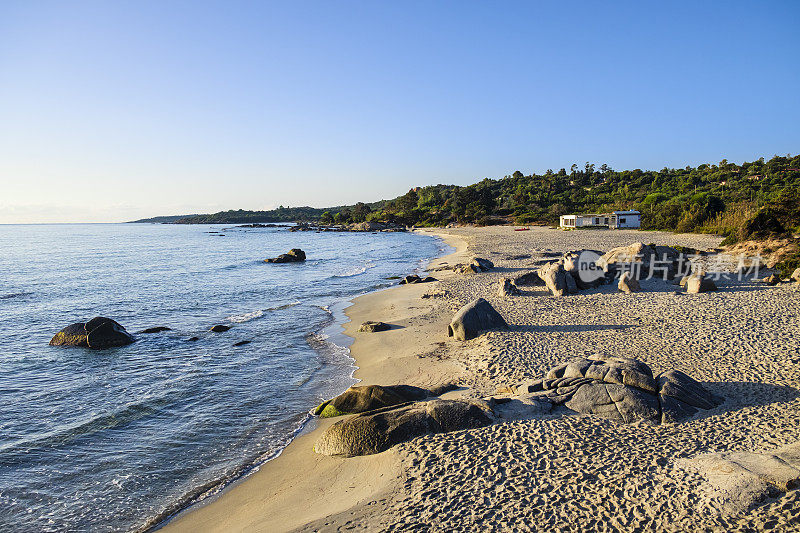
<point x="355" y="271"/>
<point x="252" y="315"/>
<point x="64" y="435"/>
<point x="13" y="295"/>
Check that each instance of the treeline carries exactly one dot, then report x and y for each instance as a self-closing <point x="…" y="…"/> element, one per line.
<point x="723" y="198"/>
<point x="714" y="198"/>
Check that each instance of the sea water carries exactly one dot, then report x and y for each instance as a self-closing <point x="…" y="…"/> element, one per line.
<point x="119" y="439"/>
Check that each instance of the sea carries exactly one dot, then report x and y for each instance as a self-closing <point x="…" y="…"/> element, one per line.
<point x="122" y="439"/>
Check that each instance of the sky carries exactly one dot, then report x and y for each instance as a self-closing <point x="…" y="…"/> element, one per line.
<point x="113" y="111"/>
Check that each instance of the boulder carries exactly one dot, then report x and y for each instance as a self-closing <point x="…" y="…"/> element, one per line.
<point x="620" y="388"/>
<point x="481" y="264"/>
<point x="528" y="278"/>
<point x="474" y="318"/>
<point x="157" y="329"/>
<point x="413" y="278"/>
<point x="99" y="333"/>
<point x="508" y="288"/>
<point x="635" y="257"/>
<point x="377" y="431"/>
<point x="219" y="328"/>
<point x="628" y="284"/>
<point x="773" y="280"/>
<point x="697" y="283"/>
<point x="368" y="398"/>
<point x="795" y="275"/>
<point x="373" y="327"/>
<point x="295" y="255"/>
<point x="554" y="277"/>
<point x="241" y="343"/>
<point x="466" y="269"/>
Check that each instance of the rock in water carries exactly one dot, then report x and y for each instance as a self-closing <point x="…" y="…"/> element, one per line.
<point x="372" y="327"/>
<point x="219" y="328"/>
<point x="157" y="329"/>
<point x="698" y="283"/>
<point x="474" y="318"/>
<point x="295" y="255"/>
<point x="99" y="333"/>
<point x="628" y="284"/>
<point x="507" y="288"/>
<point x="377" y="431"/>
<point x="368" y="398"/>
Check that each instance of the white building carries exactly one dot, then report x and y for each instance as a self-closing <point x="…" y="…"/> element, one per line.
<point x="615" y="220"/>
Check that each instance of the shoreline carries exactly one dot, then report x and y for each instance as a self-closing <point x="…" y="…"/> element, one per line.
<point x="279" y="478"/>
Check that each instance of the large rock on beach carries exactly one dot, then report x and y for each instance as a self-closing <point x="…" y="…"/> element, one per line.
<point x="508" y="288"/>
<point x="697" y="283"/>
<point x="484" y="265"/>
<point x="473" y="319"/>
<point x="295" y="255"/>
<point x="528" y="278"/>
<point x="377" y="431"/>
<point x="554" y="277"/>
<point x="99" y="333"/>
<point x="374" y="327"/>
<point x="795" y="275"/>
<point x="620" y="388"/>
<point x="359" y="399"/>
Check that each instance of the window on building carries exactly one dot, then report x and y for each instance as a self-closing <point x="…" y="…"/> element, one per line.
<point x="622" y="221"/>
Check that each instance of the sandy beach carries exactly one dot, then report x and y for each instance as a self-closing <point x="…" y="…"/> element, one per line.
<point x="562" y="473"/>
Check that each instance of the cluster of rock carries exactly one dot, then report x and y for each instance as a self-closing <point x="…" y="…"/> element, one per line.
<point x="475" y="266"/>
<point x="508" y="288"/>
<point x="295" y="255"/>
<point x="473" y="319"/>
<point x="389" y="415"/>
<point x="616" y="387"/>
<point x="355" y="226"/>
<point x="99" y="333"/>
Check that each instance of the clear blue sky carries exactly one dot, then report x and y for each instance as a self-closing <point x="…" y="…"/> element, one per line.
<point x="116" y="110"/>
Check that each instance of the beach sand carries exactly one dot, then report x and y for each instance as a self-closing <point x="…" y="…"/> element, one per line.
<point x="553" y="473"/>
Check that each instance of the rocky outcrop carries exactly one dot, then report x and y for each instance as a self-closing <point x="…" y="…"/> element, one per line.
<point x="508" y="288"/>
<point x="295" y="255"/>
<point x="697" y="283"/>
<point x="373" y="327"/>
<point x="220" y="328"/>
<point x="413" y="278"/>
<point x="642" y="260"/>
<point x="628" y="284"/>
<point x="620" y="388"/>
<point x="99" y="333"/>
<point x="741" y="480"/>
<point x="473" y="319"/>
<point x="377" y="431"/>
<point x="359" y="399"/>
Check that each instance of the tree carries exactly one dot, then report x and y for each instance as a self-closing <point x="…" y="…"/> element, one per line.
<point x="360" y="212"/>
